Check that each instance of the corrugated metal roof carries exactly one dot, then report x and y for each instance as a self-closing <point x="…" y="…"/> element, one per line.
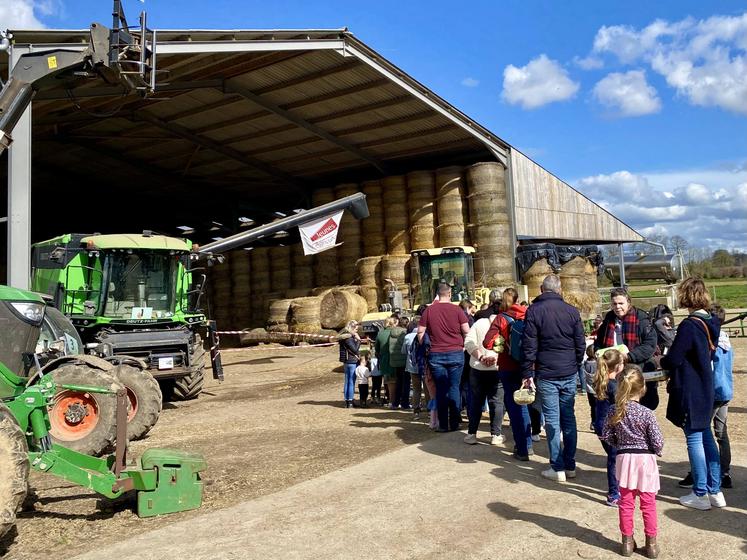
<point x="307" y="108"/>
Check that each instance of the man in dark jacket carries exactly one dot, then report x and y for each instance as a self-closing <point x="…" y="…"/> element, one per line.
<point x="553" y="345"/>
<point x="625" y="324"/>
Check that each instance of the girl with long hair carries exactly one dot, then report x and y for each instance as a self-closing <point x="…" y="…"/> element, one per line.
<point x="631" y="428"/>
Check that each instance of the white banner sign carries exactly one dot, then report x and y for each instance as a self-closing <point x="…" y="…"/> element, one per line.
<point x="321" y="234"/>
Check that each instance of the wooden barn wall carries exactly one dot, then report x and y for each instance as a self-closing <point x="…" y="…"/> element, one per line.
<point x="548" y="208"/>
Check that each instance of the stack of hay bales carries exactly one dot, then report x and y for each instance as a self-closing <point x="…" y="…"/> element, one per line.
<point x="350" y="236"/>
<point x="369" y="273"/>
<point x="280" y="277"/>
<point x="421" y="192"/>
<point x="591" y="284"/>
<point x="394" y="197"/>
<point x="451" y="207"/>
<point x="241" y="290"/>
<point x="340" y="306"/>
<point x="325" y="263"/>
<point x="302" y="273"/>
<point x="304" y="315"/>
<point x="490" y="224"/>
<point x="259" y="261"/>
<point x="220" y="292"/>
<point x="372" y="228"/>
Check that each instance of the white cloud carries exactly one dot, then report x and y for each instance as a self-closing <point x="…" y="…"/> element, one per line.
<point x="540" y="82"/>
<point x="706" y="213"/>
<point x="705" y="61"/>
<point x="22" y="14"/>
<point x="470" y="82"/>
<point x="588" y="63"/>
<point x="628" y="93"/>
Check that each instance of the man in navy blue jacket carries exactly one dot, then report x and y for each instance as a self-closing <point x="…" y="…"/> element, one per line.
<point x="553" y="344"/>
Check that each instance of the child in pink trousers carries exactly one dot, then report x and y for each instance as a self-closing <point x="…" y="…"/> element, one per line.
<point x="632" y="429"/>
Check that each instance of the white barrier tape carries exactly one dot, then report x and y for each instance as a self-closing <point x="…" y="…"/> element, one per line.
<point x="288" y="334"/>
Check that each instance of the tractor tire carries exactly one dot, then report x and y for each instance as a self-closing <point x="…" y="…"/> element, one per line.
<point x="83" y="422"/>
<point x="144" y="400"/>
<point x="188" y="387"/>
<point x="14" y="466"/>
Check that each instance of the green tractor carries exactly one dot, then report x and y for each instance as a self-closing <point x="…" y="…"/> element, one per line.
<point x="166" y="480"/>
<point x="135" y="303"/>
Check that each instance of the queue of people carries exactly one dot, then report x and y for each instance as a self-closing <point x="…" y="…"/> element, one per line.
<point x="512" y="350"/>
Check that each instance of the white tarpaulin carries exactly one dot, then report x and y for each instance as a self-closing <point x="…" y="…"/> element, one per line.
<point x="321" y="234"/>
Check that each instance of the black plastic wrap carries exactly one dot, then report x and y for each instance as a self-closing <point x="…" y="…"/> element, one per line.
<point x="527" y="255"/>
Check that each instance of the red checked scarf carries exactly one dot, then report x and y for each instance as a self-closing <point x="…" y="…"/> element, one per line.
<point x="629" y="330"/>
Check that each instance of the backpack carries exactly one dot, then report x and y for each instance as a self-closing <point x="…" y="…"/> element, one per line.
<point x="515" y="334"/>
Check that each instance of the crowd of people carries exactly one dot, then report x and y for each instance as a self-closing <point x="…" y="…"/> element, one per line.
<point x="529" y="360"/>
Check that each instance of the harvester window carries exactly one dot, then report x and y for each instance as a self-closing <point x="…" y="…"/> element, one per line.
<point x="141" y="285"/>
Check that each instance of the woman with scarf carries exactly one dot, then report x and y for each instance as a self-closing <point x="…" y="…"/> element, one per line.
<point x="625" y="324"/>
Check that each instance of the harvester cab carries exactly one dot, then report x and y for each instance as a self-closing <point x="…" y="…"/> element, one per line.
<point x="166" y="480"/>
<point x="453" y="265"/>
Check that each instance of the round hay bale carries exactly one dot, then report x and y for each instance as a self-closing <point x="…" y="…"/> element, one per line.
<point x="535" y="275"/>
<point x="305" y="310"/>
<point x="369" y="270"/>
<point x="452" y="235"/>
<point x="240" y="262"/>
<point x="398" y="240"/>
<point x="449" y="182"/>
<point x="493" y="269"/>
<point x="395" y="268"/>
<point x="394" y="190"/>
<point x="340" y="306"/>
<point x="573" y="279"/>
<point x="303" y="277"/>
<point x="278" y="328"/>
<point x="486" y="177"/>
<point x="325" y="268"/>
<point x="372" y="296"/>
<point x="488" y="208"/>
<point x="322" y="196"/>
<point x="423" y="237"/>
<point x="253" y="337"/>
<point x="493" y="237"/>
<point x="373" y="241"/>
<point x="279" y="265"/>
<point x="451" y="210"/>
<point x="279" y="311"/>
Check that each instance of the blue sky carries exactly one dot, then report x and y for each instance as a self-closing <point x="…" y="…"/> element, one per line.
<point x="640" y="105"/>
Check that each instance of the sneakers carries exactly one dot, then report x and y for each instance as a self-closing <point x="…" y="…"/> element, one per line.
<point x="535" y="437"/>
<point x="570" y="473"/>
<point x="470" y="439"/>
<point x="496" y="440"/>
<point x="717" y="500"/>
<point x="726" y="481"/>
<point x="612" y="502"/>
<point x="692" y="500"/>
<point x="520" y="457"/>
<point x="686" y="482"/>
<point x="557" y="476"/>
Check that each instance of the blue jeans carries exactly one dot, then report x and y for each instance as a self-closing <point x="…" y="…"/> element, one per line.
<point x="558" y="399"/>
<point x="705" y="461"/>
<point x="349" y="388"/>
<point x="613" y="490"/>
<point x="518" y="415"/>
<point x="446" y="368"/>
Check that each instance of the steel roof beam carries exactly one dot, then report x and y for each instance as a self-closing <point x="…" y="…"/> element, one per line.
<point x="86" y="93"/>
<point x="306" y="125"/>
<point x="236" y="155"/>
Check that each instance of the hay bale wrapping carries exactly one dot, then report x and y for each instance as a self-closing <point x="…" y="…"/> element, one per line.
<point x="339" y="306"/>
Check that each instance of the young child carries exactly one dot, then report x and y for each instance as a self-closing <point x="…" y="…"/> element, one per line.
<point x="362" y="373"/>
<point x="631" y="428"/>
<point x="609" y="365"/>
<point x="376" y="378"/>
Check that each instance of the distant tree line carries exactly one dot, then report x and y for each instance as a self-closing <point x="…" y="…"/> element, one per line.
<point x="701" y="261"/>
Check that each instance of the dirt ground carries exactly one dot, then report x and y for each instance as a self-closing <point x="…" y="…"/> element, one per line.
<point x="276" y="421"/>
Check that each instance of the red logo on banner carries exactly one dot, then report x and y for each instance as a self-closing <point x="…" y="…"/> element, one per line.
<point x="328" y="227"/>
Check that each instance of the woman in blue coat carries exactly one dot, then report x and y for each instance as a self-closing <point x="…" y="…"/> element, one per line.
<point x="691" y="393"/>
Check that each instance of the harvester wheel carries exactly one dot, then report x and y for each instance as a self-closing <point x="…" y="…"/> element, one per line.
<point x="188" y="387"/>
<point x="14" y="469"/>
<point x="144" y="401"/>
<point x="83" y="422"/>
